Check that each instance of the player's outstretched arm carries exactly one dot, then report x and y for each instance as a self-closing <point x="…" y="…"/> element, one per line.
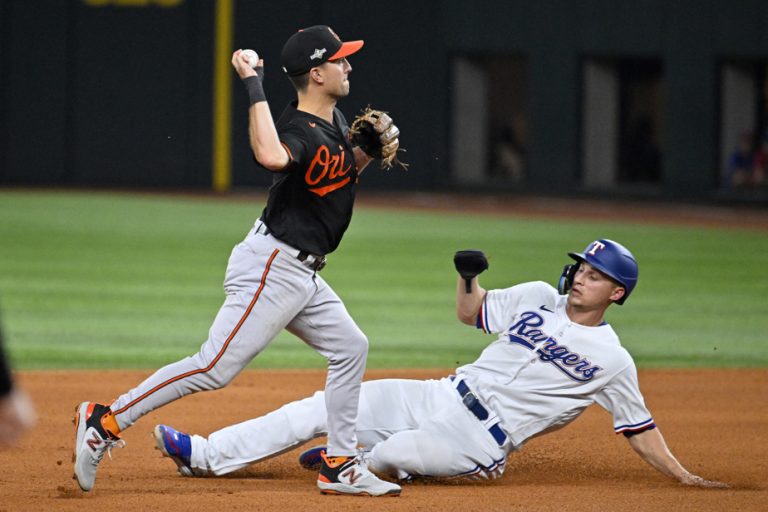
<point x="265" y="143"/>
<point x="650" y="445"/>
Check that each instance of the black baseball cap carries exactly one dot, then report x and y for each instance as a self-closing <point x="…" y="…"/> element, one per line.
<point x="312" y="46"/>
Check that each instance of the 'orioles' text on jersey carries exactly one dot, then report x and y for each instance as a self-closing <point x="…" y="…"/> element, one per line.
<point x="310" y="201"/>
<point x="544" y="369"/>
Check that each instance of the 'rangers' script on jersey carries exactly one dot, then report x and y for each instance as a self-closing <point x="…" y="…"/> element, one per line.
<point x="526" y="333"/>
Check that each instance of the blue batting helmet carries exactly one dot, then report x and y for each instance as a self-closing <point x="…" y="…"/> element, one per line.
<point x="612" y="259"/>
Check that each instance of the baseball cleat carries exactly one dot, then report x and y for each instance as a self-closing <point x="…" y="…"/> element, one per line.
<point x="176" y="445"/>
<point x="350" y="476"/>
<point x="312" y="458"/>
<point x="95" y="433"/>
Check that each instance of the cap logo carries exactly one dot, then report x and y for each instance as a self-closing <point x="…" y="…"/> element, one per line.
<point x="596" y="246"/>
<point x="318" y="54"/>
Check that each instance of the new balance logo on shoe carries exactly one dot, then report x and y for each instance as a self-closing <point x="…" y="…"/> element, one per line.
<point x="351" y="475"/>
<point x="94" y="442"/>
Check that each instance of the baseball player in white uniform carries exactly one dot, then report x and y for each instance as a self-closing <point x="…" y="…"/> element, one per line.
<point x="272" y="281"/>
<point x="555" y="355"/>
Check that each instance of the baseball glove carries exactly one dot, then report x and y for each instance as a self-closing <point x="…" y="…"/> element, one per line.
<point x="375" y="133"/>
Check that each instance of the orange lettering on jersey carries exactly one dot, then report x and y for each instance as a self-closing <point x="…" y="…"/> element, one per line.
<point x="326" y="165"/>
<point x="321" y="191"/>
<point x="322" y="159"/>
<point x="339" y="170"/>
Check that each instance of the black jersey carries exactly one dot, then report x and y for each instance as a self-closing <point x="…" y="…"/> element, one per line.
<point x="310" y="201"/>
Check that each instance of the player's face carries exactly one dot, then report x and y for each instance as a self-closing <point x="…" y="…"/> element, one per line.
<point x="337" y="72"/>
<point x="592" y="289"/>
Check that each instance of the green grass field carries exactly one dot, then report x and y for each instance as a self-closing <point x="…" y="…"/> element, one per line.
<point x="103" y="280"/>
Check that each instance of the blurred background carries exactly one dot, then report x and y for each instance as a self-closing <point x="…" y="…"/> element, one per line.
<point x="645" y="98"/>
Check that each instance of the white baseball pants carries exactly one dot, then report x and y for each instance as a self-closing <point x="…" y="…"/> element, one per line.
<point x="267" y="289"/>
<point x="407" y="428"/>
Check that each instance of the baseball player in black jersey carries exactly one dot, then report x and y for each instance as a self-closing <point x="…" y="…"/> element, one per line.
<point x="272" y="281"/>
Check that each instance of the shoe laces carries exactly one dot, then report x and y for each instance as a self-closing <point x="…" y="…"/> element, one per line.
<point x="109" y="444"/>
<point x="362" y="455"/>
<point x="362" y="467"/>
<point x="362" y="461"/>
<point x="118" y="443"/>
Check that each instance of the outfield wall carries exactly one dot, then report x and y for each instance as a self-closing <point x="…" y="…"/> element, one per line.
<point x="120" y="92"/>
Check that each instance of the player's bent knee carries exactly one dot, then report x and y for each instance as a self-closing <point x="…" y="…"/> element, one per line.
<point x="413" y="453"/>
<point x="358" y="345"/>
<point x="219" y="378"/>
<point x="354" y="350"/>
<point x="206" y="375"/>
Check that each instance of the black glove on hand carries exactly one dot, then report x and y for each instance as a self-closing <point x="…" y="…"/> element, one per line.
<point x="468" y="264"/>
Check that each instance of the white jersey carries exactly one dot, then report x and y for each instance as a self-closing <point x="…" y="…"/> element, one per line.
<point x="544" y="369"/>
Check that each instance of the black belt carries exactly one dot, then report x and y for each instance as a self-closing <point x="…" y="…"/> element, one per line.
<point x="316" y="263"/>
<point x="472" y="403"/>
<point x="313" y="261"/>
<point x="263" y="229"/>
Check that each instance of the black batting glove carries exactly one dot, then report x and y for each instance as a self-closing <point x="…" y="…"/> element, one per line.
<point x="470" y="263"/>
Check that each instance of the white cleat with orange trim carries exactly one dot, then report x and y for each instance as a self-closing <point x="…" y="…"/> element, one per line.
<point x="95" y="433"/>
<point x="350" y="476"/>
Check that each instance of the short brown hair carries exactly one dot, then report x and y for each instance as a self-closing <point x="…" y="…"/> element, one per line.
<point x="300" y="82"/>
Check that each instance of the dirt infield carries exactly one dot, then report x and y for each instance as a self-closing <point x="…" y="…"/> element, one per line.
<point x="715" y="421"/>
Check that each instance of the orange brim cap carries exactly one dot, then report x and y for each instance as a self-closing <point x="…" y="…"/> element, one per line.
<point x="347" y="49"/>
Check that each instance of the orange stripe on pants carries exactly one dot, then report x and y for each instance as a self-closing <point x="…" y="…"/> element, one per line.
<point x="221" y="352"/>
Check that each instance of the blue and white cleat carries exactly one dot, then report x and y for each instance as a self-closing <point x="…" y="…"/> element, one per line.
<point x="176" y="445"/>
<point x="312" y="458"/>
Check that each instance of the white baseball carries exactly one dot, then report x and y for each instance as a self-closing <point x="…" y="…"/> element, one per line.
<point x="253" y="57"/>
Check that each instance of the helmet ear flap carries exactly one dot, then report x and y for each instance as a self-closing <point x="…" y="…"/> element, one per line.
<point x="565" y="282"/>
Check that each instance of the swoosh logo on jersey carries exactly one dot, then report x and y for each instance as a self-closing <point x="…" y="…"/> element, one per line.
<point x="329" y="169"/>
<point x="311" y="124"/>
<point x="545" y="308"/>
